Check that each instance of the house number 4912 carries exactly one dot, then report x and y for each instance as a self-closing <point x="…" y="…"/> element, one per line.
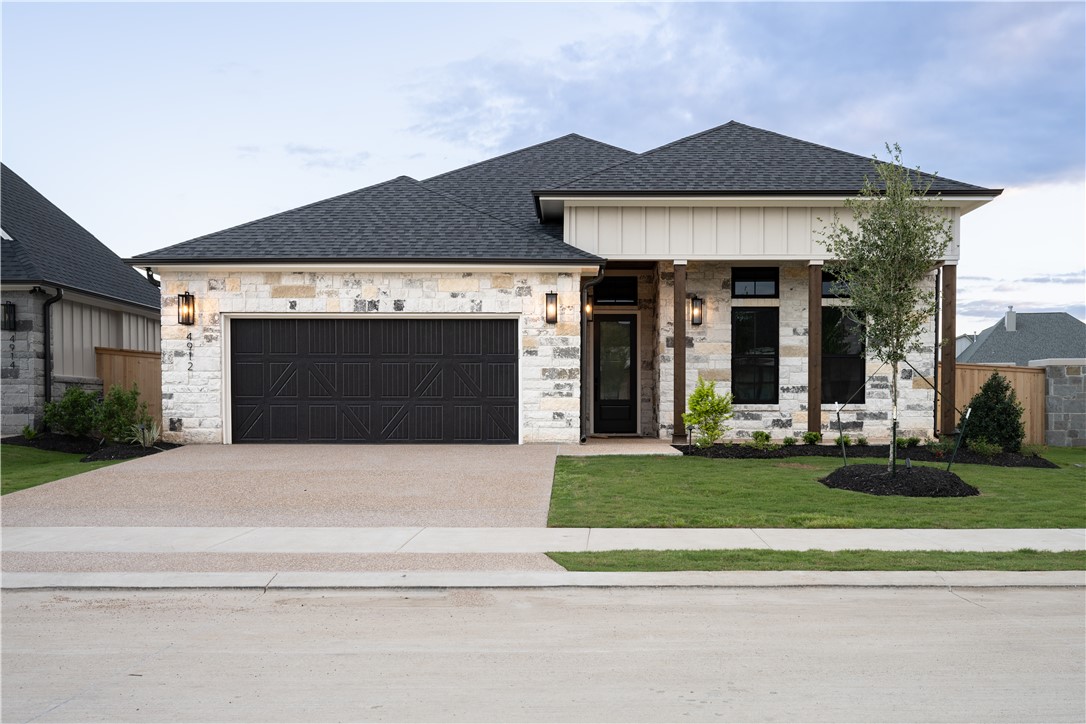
<point x="189" y="345"/>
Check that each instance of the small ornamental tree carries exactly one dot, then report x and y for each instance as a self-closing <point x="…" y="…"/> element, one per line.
<point x="996" y="417"/>
<point x="707" y="412"/>
<point x="884" y="260"/>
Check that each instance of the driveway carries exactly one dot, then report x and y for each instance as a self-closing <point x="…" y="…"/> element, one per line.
<point x="311" y="485"/>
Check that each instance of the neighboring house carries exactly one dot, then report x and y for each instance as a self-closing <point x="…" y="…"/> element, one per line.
<point x="1022" y="337"/>
<point x="962" y="342"/>
<point x="537" y="297"/>
<point x="64" y="293"/>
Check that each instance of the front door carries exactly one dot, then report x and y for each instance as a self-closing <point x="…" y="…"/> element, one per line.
<point x="615" y="373"/>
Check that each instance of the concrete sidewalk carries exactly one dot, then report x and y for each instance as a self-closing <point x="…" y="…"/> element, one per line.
<point x="241" y="540"/>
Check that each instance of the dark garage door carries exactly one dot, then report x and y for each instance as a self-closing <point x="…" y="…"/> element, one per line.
<point x="374" y="380"/>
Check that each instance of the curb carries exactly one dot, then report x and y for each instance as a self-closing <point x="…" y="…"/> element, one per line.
<point x="271" y="580"/>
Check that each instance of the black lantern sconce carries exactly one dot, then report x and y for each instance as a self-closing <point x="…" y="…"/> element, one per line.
<point x="186" y="308"/>
<point x="552" y="308"/>
<point x="9" y="322"/>
<point x="588" y="309"/>
<point x="697" y="310"/>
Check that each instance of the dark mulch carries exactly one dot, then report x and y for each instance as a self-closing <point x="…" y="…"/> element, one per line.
<point x="916" y="454"/>
<point x="92" y="450"/>
<point x="919" y="481"/>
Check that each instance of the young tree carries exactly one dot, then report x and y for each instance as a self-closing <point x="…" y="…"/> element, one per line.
<point x="899" y="236"/>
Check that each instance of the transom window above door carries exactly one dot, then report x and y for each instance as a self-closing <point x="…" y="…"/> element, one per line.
<point x="756" y="281"/>
<point x="615" y="292"/>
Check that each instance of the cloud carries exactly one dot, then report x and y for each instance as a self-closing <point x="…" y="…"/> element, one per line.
<point x="992" y="93"/>
<point x="1067" y="278"/>
<point x="328" y="158"/>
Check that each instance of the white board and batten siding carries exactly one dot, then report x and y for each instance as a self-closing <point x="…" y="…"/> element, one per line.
<point x="78" y="328"/>
<point x="709" y="232"/>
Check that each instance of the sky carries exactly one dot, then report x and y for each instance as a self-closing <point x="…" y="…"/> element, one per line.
<point x="153" y="123"/>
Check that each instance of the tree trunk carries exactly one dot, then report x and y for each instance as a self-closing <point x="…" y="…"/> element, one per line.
<point x="891" y="464"/>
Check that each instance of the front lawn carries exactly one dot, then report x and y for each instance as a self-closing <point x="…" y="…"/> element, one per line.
<point x="689" y="492"/>
<point x="766" y="560"/>
<point x="25" y="467"/>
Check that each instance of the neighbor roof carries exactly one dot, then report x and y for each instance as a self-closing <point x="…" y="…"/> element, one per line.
<point x="503" y="185"/>
<point x="1039" y="335"/>
<point x="48" y="247"/>
<point x="738" y="159"/>
<point x="398" y="220"/>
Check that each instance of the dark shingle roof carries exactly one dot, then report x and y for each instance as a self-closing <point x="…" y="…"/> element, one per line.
<point x="503" y="185"/>
<point x="48" y="247"/>
<point x="1039" y="335"/>
<point x="398" y="220"/>
<point x="739" y="159"/>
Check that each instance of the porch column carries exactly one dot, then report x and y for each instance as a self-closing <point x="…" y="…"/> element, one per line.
<point x="679" y="433"/>
<point x="948" y="373"/>
<point x="814" y="347"/>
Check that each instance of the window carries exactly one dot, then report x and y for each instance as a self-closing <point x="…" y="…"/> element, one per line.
<point x="755" y="346"/>
<point x="843" y="365"/>
<point x="832" y="287"/>
<point x="615" y="292"/>
<point x="755" y="281"/>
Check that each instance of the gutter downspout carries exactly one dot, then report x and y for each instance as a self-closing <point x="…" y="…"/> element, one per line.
<point x="49" y="342"/>
<point x="584" y="355"/>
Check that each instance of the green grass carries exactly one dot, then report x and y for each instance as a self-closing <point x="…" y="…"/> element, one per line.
<point x="690" y="492"/>
<point x="25" y="467"/>
<point x="765" y="560"/>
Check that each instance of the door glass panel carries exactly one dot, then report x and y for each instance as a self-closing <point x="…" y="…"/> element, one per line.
<point x="615" y="360"/>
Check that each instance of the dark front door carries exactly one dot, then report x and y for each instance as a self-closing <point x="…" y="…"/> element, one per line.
<point x="374" y="380"/>
<point x="615" y="373"/>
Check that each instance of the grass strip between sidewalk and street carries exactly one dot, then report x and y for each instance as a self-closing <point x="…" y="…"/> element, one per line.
<point x="25" y="467"/>
<point x="752" y="559"/>
<point x="630" y="491"/>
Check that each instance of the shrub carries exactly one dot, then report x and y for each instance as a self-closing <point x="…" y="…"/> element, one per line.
<point x="74" y="414"/>
<point x="119" y="411"/>
<point x="982" y="447"/>
<point x="707" y="412"/>
<point x="996" y="416"/>
<point x="145" y="435"/>
<point x="942" y="447"/>
<point x="861" y="440"/>
<point x="761" y="440"/>
<point x="788" y="441"/>
<point x="842" y="440"/>
<point x="29" y="433"/>
<point x="1034" y="450"/>
<point x="812" y="438"/>
<point x="912" y="442"/>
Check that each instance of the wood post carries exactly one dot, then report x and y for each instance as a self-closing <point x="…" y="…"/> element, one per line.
<point x="948" y="373"/>
<point x="814" y="348"/>
<point x="679" y="432"/>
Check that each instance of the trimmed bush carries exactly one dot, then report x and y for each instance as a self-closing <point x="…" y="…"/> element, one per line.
<point x="788" y="441"/>
<point x="812" y="438"/>
<point x="996" y="416"/>
<point x="842" y="440"/>
<point x="861" y="440"/>
<point x="120" y="410"/>
<point x="73" y="414"/>
<point x="707" y="413"/>
<point x="982" y="447"/>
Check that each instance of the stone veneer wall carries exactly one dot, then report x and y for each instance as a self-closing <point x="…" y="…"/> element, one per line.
<point x="1065" y="402"/>
<point x="22" y="366"/>
<point x="550" y="354"/>
<point x="709" y="353"/>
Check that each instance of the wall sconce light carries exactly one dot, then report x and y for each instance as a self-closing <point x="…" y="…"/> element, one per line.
<point x="552" y="308"/>
<point x="9" y="322"/>
<point x="588" y="309"/>
<point x="186" y="308"/>
<point x="697" y="310"/>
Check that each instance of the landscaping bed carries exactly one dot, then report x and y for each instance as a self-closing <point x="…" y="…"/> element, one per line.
<point x="920" y="481"/>
<point x="92" y="450"/>
<point x="965" y="456"/>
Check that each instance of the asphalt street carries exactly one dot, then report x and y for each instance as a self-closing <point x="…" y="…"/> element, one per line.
<point x="621" y="654"/>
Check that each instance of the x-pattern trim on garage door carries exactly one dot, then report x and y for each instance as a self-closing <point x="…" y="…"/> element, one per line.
<point x="374" y="380"/>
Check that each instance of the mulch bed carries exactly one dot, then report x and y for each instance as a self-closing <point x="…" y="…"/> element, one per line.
<point x="92" y="450"/>
<point x="919" y="481"/>
<point x="916" y="454"/>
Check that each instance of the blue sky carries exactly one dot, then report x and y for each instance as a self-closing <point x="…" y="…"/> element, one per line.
<point x="154" y="123"/>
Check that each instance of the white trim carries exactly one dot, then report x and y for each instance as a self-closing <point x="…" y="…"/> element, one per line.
<point x="242" y="267"/>
<point x="227" y="317"/>
<point x="679" y="200"/>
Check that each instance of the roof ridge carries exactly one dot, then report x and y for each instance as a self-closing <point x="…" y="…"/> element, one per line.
<point x="278" y="213"/>
<point x="522" y="150"/>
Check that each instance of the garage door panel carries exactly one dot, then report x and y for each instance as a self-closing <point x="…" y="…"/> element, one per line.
<point x="374" y="380"/>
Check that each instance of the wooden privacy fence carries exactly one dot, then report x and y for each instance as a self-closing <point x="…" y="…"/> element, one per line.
<point x="125" y="366"/>
<point x="1028" y="384"/>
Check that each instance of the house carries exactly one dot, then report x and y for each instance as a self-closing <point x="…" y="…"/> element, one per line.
<point x="1021" y="337"/>
<point x="64" y="293"/>
<point x="538" y="297"/>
